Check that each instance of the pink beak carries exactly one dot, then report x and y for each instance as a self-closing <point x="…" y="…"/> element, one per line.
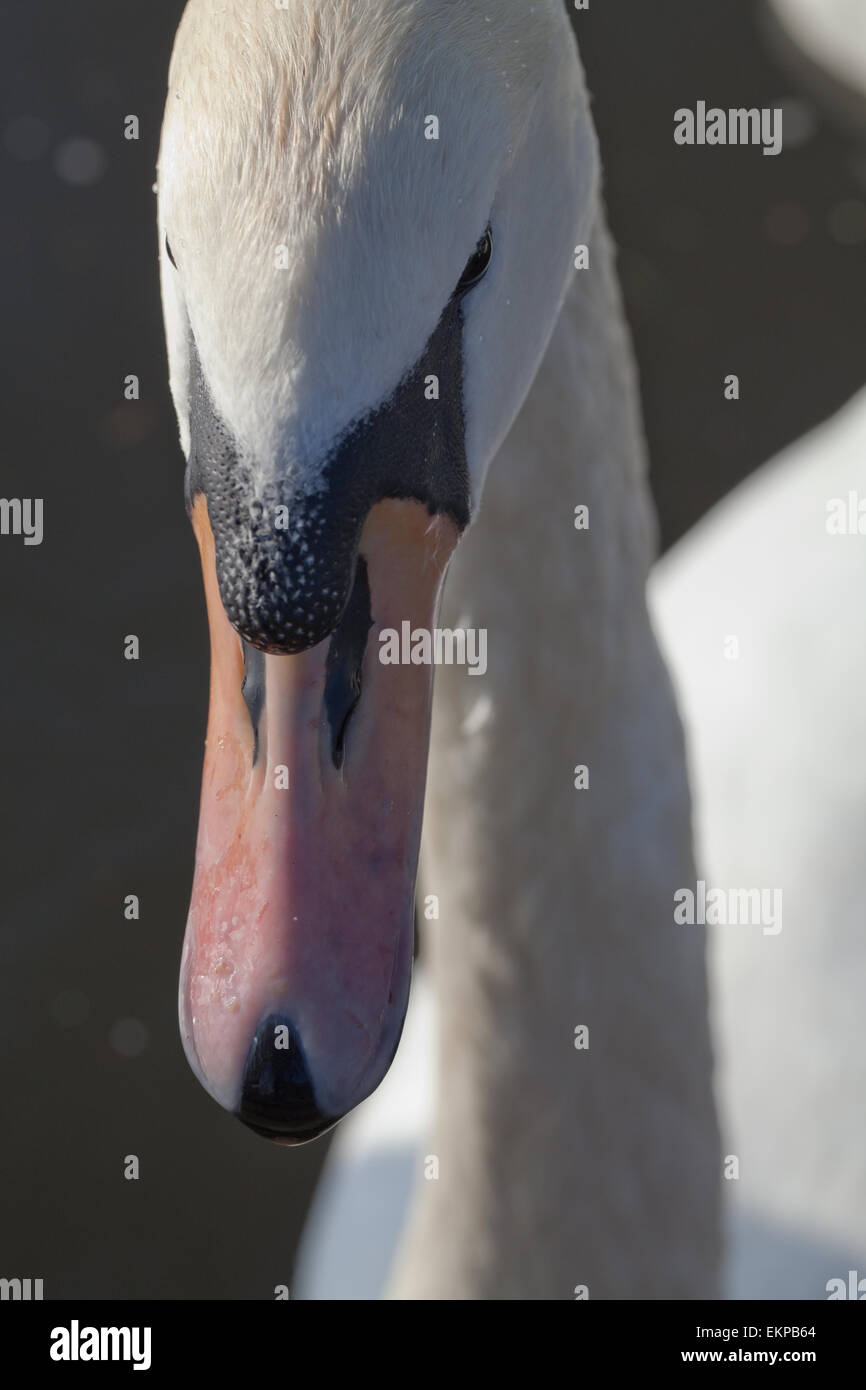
<point x="298" y="950"/>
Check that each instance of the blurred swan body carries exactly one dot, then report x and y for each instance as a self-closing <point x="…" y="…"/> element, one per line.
<point x="778" y="757"/>
<point x="825" y="45"/>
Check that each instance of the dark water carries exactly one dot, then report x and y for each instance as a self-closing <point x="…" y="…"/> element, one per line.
<point x="728" y="266"/>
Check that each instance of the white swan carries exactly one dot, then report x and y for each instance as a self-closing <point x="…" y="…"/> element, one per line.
<point x="328" y="175"/>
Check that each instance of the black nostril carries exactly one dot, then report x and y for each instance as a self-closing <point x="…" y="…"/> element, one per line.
<point x="253" y="691"/>
<point x="346" y="660"/>
<point x="277" y="1098"/>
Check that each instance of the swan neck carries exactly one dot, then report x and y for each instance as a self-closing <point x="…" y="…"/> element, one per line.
<point x="573" y="1012"/>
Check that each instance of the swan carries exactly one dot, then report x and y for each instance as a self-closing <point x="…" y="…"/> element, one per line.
<point x="396" y="349"/>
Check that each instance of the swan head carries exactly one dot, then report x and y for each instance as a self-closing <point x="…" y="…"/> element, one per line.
<point x="367" y="219"/>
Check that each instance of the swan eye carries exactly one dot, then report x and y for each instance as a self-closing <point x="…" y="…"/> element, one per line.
<point x="476" y="266"/>
<point x="168" y="253"/>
